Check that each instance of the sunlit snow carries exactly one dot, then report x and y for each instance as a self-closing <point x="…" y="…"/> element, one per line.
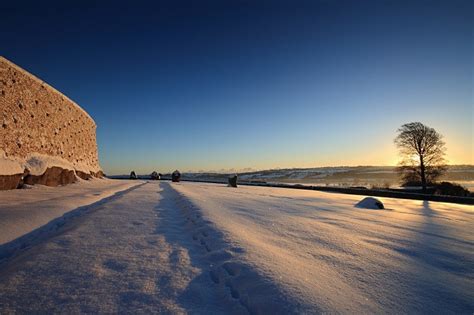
<point x="206" y="248"/>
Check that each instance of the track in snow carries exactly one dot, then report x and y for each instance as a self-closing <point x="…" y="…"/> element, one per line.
<point x="206" y="248"/>
<point x="129" y="254"/>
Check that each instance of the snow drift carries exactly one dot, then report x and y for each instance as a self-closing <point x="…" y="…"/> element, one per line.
<point x="370" y="203"/>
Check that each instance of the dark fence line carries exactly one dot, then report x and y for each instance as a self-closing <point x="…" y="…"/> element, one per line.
<point x="352" y="191"/>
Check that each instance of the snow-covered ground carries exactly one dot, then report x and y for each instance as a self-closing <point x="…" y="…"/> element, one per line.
<point x="206" y="248"/>
<point x="23" y="210"/>
<point x="328" y="255"/>
<point x="132" y="254"/>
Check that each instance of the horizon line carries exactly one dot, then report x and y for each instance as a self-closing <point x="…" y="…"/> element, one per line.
<point x="243" y="171"/>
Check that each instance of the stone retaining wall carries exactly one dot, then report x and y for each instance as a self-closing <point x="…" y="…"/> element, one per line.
<point x="40" y="124"/>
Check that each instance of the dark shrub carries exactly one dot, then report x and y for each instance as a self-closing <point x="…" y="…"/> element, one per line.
<point x="450" y="189"/>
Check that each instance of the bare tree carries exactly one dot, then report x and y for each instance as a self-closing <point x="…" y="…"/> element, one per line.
<point x="422" y="151"/>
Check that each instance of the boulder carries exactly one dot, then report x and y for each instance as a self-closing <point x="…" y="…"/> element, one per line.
<point x="53" y="176"/>
<point x="232" y="181"/>
<point x="133" y="175"/>
<point x="370" y="203"/>
<point x="11" y="181"/>
<point x="175" y="176"/>
<point x="155" y="176"/>
<point x="98" y="174"/>
<point x="85" y="176"/>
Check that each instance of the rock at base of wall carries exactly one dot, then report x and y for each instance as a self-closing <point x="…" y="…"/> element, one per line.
<point x="54" y="176"/>
<point x="98" y="174"/>
<point x="11" y="181"/>
<point x="85" y="176"/>
<point x="90" y="175"/>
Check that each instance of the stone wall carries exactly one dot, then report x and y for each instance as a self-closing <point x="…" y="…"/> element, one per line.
<point x="40" y="128"/>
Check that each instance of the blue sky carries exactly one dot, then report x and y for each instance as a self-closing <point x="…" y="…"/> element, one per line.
<point x="214" y="85"/>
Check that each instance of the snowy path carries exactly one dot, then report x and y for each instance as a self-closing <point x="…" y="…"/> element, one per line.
<point x="23" y="210"/>
<point x="325" y="254"/>
<point x="131" y="254"/>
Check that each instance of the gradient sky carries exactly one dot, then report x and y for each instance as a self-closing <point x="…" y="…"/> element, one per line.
<point x="212" y="85"/>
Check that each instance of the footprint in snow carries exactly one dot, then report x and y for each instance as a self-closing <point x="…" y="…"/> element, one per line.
<point x="233" y="269"/>
<point x="233" y="292"/>
<point x="115" y="265"/>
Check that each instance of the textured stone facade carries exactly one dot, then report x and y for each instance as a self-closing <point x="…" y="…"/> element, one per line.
<point x="37" y="120"/>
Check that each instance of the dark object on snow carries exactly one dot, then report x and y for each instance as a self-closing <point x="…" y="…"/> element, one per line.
<point x="233" y="181"/>
<point x="175" y="176"/>
<point x="133" y="175"/>
<point x="370" y="203"/>
<point x="155" y="176"/>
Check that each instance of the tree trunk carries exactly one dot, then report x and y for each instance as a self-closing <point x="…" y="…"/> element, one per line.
<point x="422" y="173"/>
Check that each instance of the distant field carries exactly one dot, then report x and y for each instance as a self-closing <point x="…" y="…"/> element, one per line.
<point x="366" y="176"/>
<point x="363" y="176"/>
